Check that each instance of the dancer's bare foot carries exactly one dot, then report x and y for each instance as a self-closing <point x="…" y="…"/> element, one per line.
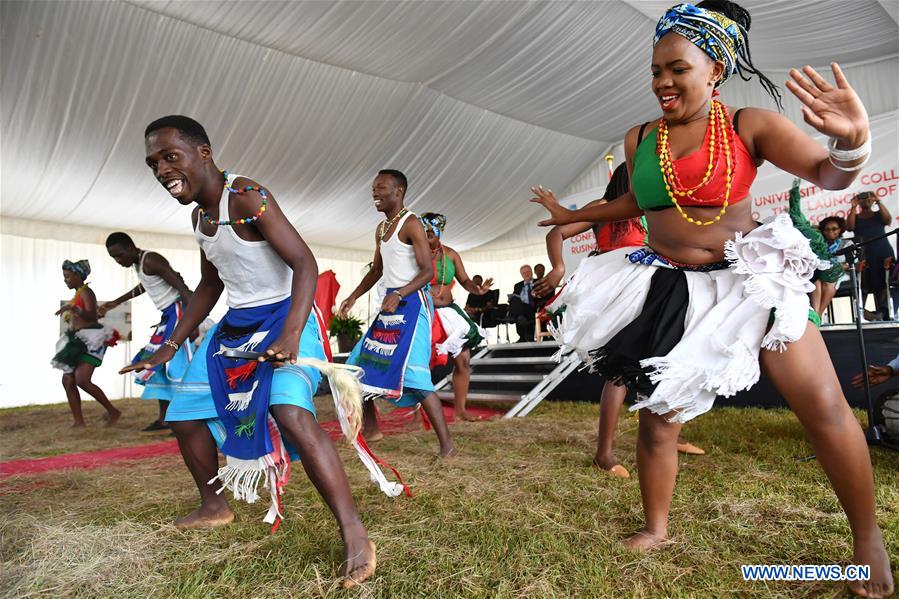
<point x="689" y="448"/>
<point x="645" y="540"/>
<point x="205" y="517"/>
<point x="79" y="424"/>
<point x="113" y="416"/>
<point x="463" y="415"/>
<point x="360" y="561"/>
<point x="449" y="453"/>
<point x="372" y="435"/>
<point x="873" y="554"/>
<point x="605" y="460"/>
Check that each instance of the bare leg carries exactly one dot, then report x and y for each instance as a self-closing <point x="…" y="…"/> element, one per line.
<point x="816" y="297"/>
<point x="325" y="470"/>
<point x="804" y="375"/>
<point x="163" y="406"/>
<point x="83" y="374"/>
<point x="461" y="380"/>
<point x="828" y="291"/>
<point x="201" y="458"/>
<point x="657" y="469"/>
<point x="370" y="429"/>
<point x="609" y="407"/>
<point x="74" y="398"/>
<point x="434" y="409"/>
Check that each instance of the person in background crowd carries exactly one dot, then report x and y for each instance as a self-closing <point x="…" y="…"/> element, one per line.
<point x="878" y="256"/>
<point x="824" y="279"/>
<point x="877" y="374"/>
<point x="832" y="228"/>
<point x="523" y="306"/>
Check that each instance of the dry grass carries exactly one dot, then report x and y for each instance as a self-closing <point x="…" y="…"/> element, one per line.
<point x="519" y="514"/>
<point x="37" y="432"/>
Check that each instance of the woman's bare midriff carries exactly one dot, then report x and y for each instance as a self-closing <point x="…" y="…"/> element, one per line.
<point x="675" y="238"/>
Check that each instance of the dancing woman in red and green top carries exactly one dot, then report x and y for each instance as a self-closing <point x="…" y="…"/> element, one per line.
<point x="715" y="295"/>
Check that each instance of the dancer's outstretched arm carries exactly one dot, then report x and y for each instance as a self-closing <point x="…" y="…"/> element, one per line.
<point x="462" y="276"/>
<point x="623" y="208"/>
<point x="554" y="239"/>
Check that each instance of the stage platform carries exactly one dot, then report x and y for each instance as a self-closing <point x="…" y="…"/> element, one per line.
<point x="523" y="374"/>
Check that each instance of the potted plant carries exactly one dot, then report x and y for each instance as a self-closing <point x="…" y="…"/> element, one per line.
<point x="347" y="330"/>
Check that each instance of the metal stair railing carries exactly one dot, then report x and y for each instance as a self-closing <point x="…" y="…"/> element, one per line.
<point x="569" y="364"/>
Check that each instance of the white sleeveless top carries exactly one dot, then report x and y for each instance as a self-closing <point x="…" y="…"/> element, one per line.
<point x="252" y="271"/>
<point x="398" y="258"/>
<point x="162" y="294"/>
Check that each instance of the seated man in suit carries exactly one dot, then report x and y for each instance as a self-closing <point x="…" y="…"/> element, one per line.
<point x="522" y="305"/>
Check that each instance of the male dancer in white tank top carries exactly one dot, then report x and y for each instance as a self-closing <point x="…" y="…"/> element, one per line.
<point x="166" y="287"/>
<point x="245" y="238"/>
<point x="402" y="264"/>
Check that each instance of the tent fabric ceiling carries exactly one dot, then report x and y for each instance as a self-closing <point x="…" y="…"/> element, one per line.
<point x="475" y="101"/>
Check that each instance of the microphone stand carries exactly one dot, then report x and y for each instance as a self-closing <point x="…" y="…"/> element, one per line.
<point x="874" y="433"/>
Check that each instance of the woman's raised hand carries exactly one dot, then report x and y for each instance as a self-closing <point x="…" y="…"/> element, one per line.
<point x="559" y="215"/>
<point x="834" y="111"/>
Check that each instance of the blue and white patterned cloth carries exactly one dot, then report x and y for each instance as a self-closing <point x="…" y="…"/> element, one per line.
<point x="713" y="33"/>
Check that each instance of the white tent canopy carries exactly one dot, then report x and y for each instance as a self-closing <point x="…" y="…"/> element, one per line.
<point x="475" y="101"/>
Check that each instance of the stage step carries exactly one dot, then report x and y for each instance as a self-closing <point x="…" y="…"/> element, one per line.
<point x="519" y="373"/>
<point x="526" y="345"/>
<point x="506" y="378"/>
<point x="519" y="361"/>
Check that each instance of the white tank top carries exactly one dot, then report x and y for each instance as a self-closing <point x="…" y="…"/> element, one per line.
<point x="398" y="259"/>
<point x="252" y="271"/>
<point x="162" y="294"/>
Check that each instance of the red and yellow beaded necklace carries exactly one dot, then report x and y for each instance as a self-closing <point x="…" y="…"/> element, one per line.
<point x="721" y="140"/>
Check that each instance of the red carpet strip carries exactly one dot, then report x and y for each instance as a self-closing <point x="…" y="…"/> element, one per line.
<point x="394" y="422"/>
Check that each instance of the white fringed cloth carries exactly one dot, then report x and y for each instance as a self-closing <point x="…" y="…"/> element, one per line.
<point x="726" y="321"/>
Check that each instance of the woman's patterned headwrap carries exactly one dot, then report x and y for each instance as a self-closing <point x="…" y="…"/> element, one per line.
<point x="433" y="222"/>
<point x="81" y="268"/>
<point x="723" y="39"/>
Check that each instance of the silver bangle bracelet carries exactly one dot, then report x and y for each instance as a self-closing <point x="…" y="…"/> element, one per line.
<point x="849" y="155"/>
<point x="172" y="344"/>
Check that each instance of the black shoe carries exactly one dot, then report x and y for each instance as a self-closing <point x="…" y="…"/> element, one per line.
<point x="154" y="426"/>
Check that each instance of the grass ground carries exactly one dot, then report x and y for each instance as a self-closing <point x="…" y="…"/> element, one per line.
<point x="518" y="514"/>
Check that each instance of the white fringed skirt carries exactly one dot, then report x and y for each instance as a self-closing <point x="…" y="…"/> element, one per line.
<point x="681" y="337"/>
